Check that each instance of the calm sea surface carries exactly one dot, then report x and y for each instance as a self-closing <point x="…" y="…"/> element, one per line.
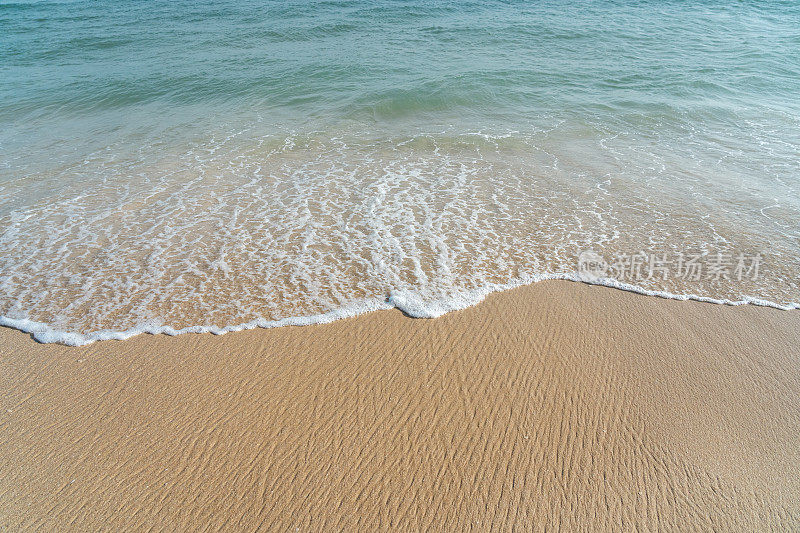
<point x="206" y="165"/>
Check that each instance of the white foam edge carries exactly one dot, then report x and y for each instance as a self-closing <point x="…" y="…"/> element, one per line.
<point x="407" y="302"/>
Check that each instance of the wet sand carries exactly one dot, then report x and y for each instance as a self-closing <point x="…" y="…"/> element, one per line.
<point x="558" y="405"/>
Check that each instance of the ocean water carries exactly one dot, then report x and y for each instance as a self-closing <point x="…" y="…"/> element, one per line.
<point x="209" y="166"/>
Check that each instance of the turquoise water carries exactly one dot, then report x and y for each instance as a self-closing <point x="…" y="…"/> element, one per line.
<point x="213" y="164"/>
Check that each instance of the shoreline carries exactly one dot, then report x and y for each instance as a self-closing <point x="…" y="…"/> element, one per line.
<point x="552" y="404"/>
<point x="407" y="304"/>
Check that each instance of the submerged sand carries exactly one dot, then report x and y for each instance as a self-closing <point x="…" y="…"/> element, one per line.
<point x="558" y="405"/>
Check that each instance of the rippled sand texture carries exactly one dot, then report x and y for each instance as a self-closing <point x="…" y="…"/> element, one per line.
<point x="558" y="404"/>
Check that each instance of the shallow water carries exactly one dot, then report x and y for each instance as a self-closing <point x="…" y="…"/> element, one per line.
<point x="208" y="165"/>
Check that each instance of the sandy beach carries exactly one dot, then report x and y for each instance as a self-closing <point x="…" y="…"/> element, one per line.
<point x="553" y="405"/>
<point x="246" y="248"/>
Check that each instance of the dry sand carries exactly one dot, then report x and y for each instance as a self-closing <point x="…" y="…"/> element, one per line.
<point x="558" y="405"/>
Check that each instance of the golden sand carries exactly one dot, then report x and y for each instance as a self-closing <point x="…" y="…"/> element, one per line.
<point x="558" y="405"/>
